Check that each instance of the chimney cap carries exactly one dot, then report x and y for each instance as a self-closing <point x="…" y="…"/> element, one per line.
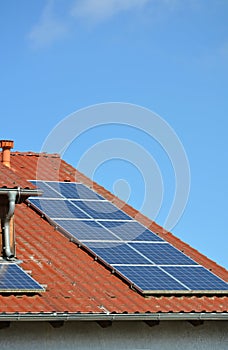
<point x="6" y="144"/>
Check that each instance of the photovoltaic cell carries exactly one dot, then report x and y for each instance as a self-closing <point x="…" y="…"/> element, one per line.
<point x="196" y="278"/>
<point x="102" y="210"/>
<point x="14" y="279"/>
<point x="59" y="208"/>
<point x="74" y="190"/>
<point x="116" y="253"/>
<point x="131" y="231"/>
<point x="150" y="278"/>
<point x="86" y="230"/>
<point x="162" y="254"/>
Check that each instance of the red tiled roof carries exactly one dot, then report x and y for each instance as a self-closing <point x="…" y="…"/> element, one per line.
<point x="76" y="283"/>
<point x="9" y="179"/>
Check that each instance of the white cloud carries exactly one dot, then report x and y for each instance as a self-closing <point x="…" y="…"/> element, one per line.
<point x="48" y="29"/>
<point x="97" y="10"/>
<point x="51" y="27"/>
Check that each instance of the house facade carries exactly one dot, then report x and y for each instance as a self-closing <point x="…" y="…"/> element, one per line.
<point x="134" y="335"/>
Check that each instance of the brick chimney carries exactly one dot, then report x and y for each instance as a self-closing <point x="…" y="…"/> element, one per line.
<point x="6" y="146"/>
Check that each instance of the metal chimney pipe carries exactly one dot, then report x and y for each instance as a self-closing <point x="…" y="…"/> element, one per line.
<point x="6" y="146"/>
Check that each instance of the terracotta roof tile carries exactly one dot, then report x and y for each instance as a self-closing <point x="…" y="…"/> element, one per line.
<point x="11" y="179"/>
<point x="75" y="281"/>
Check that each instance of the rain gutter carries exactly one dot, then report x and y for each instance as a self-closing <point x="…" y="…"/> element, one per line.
<point x="182" y="316"/>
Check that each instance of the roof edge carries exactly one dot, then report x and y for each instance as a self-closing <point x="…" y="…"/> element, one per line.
<point x="170" y="316"/>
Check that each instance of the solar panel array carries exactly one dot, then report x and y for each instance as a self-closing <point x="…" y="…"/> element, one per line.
<point x="133" y="251"/>
<point x="14" y="279"/>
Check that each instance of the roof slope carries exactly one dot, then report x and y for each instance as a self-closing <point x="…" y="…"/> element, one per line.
<point x="76" y="283"/>
<point x="9" y="179"/>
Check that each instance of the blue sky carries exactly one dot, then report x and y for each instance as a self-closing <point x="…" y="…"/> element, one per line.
<point x="170" y="56"/>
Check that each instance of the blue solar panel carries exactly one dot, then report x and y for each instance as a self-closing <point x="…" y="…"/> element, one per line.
<point x="106" y="228"/>
<point x="47" y="191"/>
<point x="86" y="230"/>
<point x="196" y="278"/>
<point x="150" y="278"/>
<point x="59" y="208"/>
<point x="102" y="210"/>
<point x="116" y="253"/>
<point x="162" y="254"/>
<point x="131" y="231"/>
<point x="14" y="279"/>
<point x="74" y="190"/>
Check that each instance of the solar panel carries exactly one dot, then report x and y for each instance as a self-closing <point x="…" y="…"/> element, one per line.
<point x="74" y="190"/>
<point x="86" y="230"/>
<point x="135" y="252"/>
<point x="150" y="278"/>
<point x="131" y="231"/>
<point x="14" y="279"/>
<point x="162" y="254"/>
<point x="47" y="191"/>
<point x="196" y="278"/>
<point x="58" y="208"/>
<point x="116" y="253"/>
<point x="101" y="210"/>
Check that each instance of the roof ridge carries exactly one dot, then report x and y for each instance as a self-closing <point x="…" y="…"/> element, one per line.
<point x="35" y="154"/>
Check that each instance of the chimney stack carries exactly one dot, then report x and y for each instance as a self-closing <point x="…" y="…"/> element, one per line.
<point x="6" y="146"/>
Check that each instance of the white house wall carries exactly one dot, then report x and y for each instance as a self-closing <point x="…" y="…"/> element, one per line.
<point x="120" y="336"/>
